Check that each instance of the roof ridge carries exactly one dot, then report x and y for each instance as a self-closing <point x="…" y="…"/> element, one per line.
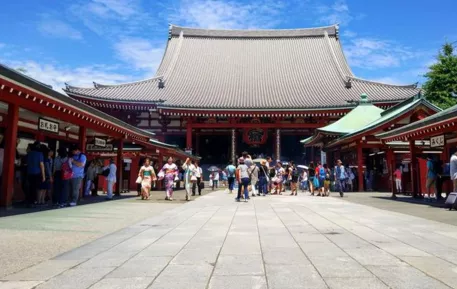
<point x="174" y="59"/>
<point x="253" y="33"/>
<point x="99" y="85"/>
<point x="335" y="60"/>
<point x="382" y="83"/>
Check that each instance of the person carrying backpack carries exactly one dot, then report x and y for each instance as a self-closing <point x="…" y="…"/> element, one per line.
<point x="340" y="177"/>
<point x="293" y="176"/>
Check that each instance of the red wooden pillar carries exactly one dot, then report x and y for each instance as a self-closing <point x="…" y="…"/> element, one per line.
<point x="189" y="134"/>
<point x="120" y="168"/>
<point x="82" y="138"/>
<point x="9" y="155"/>
<point x="360" y="165"/>
<point x="414" y="180"/>
<point x="391" y="169"/>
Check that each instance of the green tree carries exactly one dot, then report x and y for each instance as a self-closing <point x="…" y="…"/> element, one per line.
<point x="441" y="85"/>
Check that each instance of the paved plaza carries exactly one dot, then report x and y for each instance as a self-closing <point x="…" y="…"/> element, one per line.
<point x="269" y="242"/>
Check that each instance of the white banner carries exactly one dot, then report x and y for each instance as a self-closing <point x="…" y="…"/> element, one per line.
<point x="48" y="125"/>
<point x="100" y="142"/>
<point x="437" y="141"/>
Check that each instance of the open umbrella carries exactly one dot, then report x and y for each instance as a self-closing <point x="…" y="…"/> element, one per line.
<point x="213" y="169"/>
<point x="302" y="167"/>
<point x="259" y="160"/>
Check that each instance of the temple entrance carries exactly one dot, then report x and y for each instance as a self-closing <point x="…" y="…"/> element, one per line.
<point x="214" y="149"/>
<point x="248" y="144"/>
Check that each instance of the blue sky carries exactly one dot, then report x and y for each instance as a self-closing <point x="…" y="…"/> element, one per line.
<point x="112" y="41"/>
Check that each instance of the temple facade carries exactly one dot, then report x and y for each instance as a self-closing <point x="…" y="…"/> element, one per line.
<point x="219" y="92"/>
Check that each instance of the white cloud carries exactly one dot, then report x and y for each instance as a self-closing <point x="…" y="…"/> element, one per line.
<point x="370" y="53"/>
<point x="59" y="29"/>
<point x="338" y="12"/>
<point x="140" y="53"/>
<point x="217" y="14"/>
<point x="56" y="75"/>
<point x="113" y="17"/>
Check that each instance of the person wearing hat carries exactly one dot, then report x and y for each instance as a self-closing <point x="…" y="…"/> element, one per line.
<point x="243" y="179"/>
<point x="263" y="178"/>
<point x="78" y="162"/>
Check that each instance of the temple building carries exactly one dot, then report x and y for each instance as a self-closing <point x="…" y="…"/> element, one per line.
<point x="219" y="92"/>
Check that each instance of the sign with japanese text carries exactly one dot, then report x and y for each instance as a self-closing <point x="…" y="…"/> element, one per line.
<point x="437" y="141"/>
<point x="48" y="125"/>
<point x="94" y="148"/>
<point x="100" y="142"/>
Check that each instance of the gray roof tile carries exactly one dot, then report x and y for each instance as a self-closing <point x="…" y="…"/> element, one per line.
<point x="254" y="69"/>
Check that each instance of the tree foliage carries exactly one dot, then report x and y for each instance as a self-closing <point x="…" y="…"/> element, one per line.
<point x="441" y="85"/>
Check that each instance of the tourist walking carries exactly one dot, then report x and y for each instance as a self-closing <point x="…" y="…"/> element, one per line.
<point x="243" y="179"/>
<point x="170" y="171"/>
<point x="398" y="177"/>
<point x="198" y="173"/>
<point x="253" y="178"/>
<point x="311" y="176"/>
<point x="431" y="178"/>
<point x="215" y="180"/>
<point x="147" y="175"/>
<point x="45" y="186"/>
<point x="304" y="181"/>
<point x="67" y="175"/>
<point x="230" y="169"/>
<point x="111" y="178"/>
<point x="453" y="170"/>
<point x="294" y="174"/>
<point x="188" y="177"/>
<point x="91" y="174"/>
<point x="263" y="178"/>
<point x="78" y="162"/>
<point x="340" y="176"/>
<point x="278" y="179"/>
<point x="327" y="181"/>
<point x="35" y="172"/>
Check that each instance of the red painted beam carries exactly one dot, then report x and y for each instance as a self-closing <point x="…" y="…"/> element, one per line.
<point x="257" y="125"/>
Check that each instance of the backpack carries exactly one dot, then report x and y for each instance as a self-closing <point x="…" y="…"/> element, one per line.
<point x="321" y="173"/>
<point x="105" y="172"/>
<point x="67" y="172"/>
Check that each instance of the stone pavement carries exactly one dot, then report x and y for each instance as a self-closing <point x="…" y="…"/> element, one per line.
<point x="271" y="242"/>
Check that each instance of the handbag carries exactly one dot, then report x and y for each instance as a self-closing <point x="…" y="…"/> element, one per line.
<point x="176" y="178"/>
<point x="316" y="182"/>
<point x="138" y="180"/>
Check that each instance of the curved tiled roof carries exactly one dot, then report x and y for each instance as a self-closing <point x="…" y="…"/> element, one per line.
<point x="251" y="69"/>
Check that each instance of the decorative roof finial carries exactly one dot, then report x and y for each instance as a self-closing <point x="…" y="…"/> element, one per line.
<point x="67" y="86"/>
<point x="170" y="28"/>
<point x="348" y="83"/>
<point x="363" y="98"/>
<point x="161" y="83"/>
<point x="95" y="84"/>
<point x="337" y="31"/>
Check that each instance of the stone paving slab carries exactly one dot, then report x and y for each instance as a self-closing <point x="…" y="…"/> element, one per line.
<point x="275" y="242"/>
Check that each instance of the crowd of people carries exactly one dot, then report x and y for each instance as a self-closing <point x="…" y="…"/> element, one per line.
<point x="274" y="177"/>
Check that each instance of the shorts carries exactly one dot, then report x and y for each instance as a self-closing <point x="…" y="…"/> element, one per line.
<point x="430" y="182"/>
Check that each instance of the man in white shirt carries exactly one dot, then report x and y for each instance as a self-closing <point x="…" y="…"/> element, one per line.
<point x="198" y="174"/>
<point x="453" y="170"/>
<point x="111" y="178"/>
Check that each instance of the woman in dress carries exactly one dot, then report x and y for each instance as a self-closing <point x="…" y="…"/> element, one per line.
<point x="148" y="176"/>
<point x="279" y="178"/>
<point x="189" y="177"/>
<point x="170" y="171"/>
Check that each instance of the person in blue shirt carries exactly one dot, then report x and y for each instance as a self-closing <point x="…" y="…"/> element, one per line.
<point x="230" y="170"/>
<point x="78" y="162"/>
<point x="431" y="177"/>
<point x="35" y="172"/>
<point x="340" y="176"/>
